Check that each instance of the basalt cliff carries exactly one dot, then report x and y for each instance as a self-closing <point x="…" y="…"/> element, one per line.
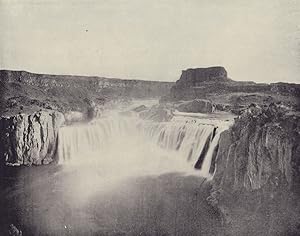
<point x="256" y="185"/>
<point x="29" y="139"/>
<point x="256" y="181"/>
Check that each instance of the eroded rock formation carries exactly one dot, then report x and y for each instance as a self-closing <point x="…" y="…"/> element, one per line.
<point x="28" y="139"/>
<point x="213" y="84"/>
<point x="258" y="172"/>
<point x="261" y="143"/>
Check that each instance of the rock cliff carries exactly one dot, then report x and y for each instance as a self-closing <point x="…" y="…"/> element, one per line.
<point x="214" y="84"/>
<point x="27" y="139"/>
<point x="257" y="177"/>
<point x="194" y="77"/>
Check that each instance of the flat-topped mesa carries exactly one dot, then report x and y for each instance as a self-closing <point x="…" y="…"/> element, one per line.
<point x="194" y="77"/>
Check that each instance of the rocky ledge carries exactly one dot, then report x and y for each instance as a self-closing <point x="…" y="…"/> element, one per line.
<point x="195" y="106"/>
<point x="257" y="178"/>
<point x="157" y="113"/>
<point x="213" y="84"/>
<point x="29" y="139"/>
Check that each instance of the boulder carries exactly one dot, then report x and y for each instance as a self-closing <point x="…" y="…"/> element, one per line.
<point x="196" y="106"/>
<point x="14" y="231"/>
<point x="157" y="113"/>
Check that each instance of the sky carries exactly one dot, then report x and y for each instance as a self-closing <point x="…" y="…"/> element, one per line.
<point x="256" y="40"/>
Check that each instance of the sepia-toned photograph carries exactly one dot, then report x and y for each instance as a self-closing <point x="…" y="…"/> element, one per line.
<point x="149" y="118"/>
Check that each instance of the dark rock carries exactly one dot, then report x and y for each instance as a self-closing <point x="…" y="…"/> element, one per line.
<point x="213" y="84"/>
<point x="196" y="106"/>
<point x="14" y="231"/>
<point x="157" y="113"/>
<point x="140" y="108"/>
<point x="92" y="110"/>
<point x="195" y="77"/>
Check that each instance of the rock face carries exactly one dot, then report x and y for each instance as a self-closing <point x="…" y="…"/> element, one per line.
<point x="157" y="113"/>
<point x="196" y="106"/>
<point x="194" y="77"/>
<point x="257" y="176"/>
<point x="68" y="91"/>
<point x="29" y="139"/>
<point x="261" y="143"/>
<point x="213" y="84"/>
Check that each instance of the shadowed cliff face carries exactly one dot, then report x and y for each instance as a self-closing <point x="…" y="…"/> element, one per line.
<point x="194" y="77"/>
<point x="257" y="178"/>
<point x="29" y="139"/>
<point x="262" y="143"/>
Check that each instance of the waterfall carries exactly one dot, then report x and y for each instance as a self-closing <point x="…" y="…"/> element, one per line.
<point x="180" y="145"/>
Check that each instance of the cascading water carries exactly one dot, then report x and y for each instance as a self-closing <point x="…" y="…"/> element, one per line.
<point x="130" y="143"/>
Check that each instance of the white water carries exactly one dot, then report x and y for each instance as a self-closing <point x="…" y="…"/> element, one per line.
<point x="125" y="146"/>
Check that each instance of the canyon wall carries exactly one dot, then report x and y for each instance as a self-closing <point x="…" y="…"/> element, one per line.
<point x="28" y="91"/>
<point x="94" y="84"/>
<point x="257" y="178"/>
<point x="27" y="139"/>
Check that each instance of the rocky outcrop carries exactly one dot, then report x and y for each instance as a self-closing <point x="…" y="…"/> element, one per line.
<point x="14" y="231"/>
<point x="196" y="106"/>
<point x="195" y="77"/>
<point x="257" y="176"/>
<point x="213" y="84"/>
<point x="261" y="143"/>
<point x="28" y="139"/>
<point x="157" y="113"/>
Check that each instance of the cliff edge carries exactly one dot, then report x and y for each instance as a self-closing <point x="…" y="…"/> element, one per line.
<point x="29" y="139"/>
<point x="257" y="178"/>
